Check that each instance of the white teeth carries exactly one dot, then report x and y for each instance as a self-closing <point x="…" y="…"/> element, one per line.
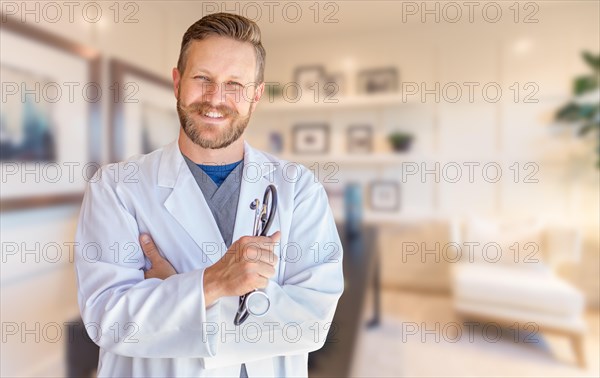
<point x="213" y="115"/>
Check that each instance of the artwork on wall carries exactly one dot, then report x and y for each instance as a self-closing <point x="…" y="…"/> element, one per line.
<point x="360" y="139"/>
<point x="335" y="85"/>
<point x="379" y="80"/>
<point x="312" y="138"/>
<point x="317" y="85"/>
<point x="310" y="79"/>
<point x="144" y="114"/>
<point x="53" y="136"/>
<point x="384" y="195"/>
<point x="154" y="131"/>
<point x="28" y="132"/>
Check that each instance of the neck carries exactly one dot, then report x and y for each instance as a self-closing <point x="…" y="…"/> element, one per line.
<point x="230" y="154"/>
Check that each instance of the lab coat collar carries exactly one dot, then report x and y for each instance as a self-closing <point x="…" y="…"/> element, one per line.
<point x="187" y="204"/>
<point x="172" y="164"/>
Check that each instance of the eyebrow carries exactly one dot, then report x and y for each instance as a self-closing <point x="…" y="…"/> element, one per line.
<point x="204" y="70"/>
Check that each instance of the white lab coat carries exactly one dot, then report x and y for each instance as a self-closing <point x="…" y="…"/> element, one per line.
<point x="161" y="328"/>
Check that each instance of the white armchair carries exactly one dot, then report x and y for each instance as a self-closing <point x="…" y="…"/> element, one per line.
<point x="521" y="284"/>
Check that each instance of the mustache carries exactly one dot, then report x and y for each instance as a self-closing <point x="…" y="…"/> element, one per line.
<point x="205" y="107"/>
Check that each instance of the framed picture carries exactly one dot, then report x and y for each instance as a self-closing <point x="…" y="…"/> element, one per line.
<point x="159" y="125"/>
<point x="380" y="80"/>
<point x="307" y="76"/>
<point x="335" y="86"/>
<point x="311" y="138"/>
<point x="144" y="111"/>
<point x="49" y="132"/>
<point x="360" y="139"/>
<point x="384" y="195"/>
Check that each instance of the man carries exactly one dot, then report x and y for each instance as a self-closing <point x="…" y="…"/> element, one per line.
<point x="172" y="313"/>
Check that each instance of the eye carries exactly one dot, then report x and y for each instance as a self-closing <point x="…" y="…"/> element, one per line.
<point x="201" y="77"/>
<point x="234" y="83"/>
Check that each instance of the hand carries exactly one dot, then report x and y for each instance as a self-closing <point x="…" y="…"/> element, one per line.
<point x="247" y="265"/>
<point x="161" y="268"/>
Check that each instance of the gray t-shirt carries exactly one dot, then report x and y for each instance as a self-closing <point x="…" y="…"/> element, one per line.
<point x="222" y="200"/>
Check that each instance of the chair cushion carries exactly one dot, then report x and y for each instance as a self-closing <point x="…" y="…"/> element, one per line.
<point x="518" y="245"/>
<point x="535" y="290"/>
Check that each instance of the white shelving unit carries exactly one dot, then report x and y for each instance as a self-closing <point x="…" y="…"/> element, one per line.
<point x="339" y="113"/>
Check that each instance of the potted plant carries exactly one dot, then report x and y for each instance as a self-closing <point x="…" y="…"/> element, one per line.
<point x="400" y="141"/>
<point x="583" y="111"/>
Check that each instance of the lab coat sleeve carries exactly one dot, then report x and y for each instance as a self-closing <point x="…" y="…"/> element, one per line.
<point x="302" y="307"/>
<point x="125" y="314"/>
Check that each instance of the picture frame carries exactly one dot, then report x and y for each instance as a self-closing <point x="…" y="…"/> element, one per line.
<point x="142" y="112"/>
<point x="359" y="139"/>
<point x="57" y="138"/>
<point x="378" y="80"/>
<point x="312" y="138"/>
<point x="335" y="86"/>
<point x="384" y="195"/>
<point x="307" y="76"/>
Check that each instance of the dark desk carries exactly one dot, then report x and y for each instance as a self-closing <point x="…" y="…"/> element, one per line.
<point x="361" y="271"/>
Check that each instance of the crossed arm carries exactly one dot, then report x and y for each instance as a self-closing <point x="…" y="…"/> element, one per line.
<point x="247" y="265"/>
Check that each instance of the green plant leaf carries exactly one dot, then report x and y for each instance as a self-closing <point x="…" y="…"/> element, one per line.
<point x="569" y="112"/>
<point x="592" y="60"/>
<point x="586" y="113"/>
<point x="584" y="84"/>
<point x="586" y="128"/>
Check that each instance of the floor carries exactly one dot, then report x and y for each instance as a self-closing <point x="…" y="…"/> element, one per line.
<point x="421" y="337"/>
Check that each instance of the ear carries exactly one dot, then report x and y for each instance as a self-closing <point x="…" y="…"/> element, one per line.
<point x="257" y="95"/>
<point x="176" y="80"/>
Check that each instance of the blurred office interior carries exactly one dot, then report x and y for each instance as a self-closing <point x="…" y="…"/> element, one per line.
<point x="457" y="140"/>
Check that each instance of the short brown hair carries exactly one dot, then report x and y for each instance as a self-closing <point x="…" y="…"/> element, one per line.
<point x="225" y="25"/>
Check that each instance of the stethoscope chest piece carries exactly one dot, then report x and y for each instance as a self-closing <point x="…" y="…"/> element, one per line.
<point x="258" y="303"/>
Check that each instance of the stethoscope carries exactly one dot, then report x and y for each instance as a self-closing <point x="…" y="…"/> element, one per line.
<point x="257" y="302"/>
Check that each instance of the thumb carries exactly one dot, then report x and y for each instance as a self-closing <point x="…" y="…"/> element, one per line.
<point x="149" y="248"/>
<point x="276" y="236"/>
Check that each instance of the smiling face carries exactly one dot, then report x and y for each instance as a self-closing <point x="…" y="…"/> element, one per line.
<point x="216" y="93"/>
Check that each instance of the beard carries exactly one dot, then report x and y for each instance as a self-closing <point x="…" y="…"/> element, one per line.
<point x="207" y="135"/>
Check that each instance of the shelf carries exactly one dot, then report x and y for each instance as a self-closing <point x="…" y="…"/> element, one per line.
<point x="381" y="218"/>
<point x="391" y="159"/>
<point x="353" y="102"/>
<point x="371" y="159"/>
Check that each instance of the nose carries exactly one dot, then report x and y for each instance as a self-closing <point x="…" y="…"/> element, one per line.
<point x="212" y="93"/>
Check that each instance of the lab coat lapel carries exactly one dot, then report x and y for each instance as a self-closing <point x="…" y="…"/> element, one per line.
<point x="187" y="204"/>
